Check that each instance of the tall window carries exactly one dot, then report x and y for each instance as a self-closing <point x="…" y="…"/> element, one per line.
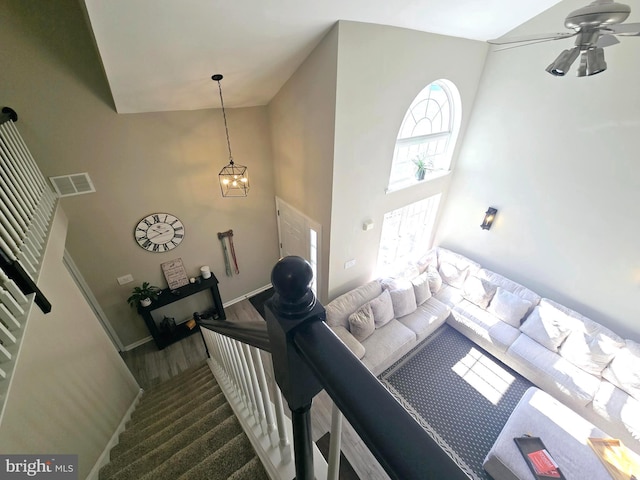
<point x="425" y="142"/>
<point x="406" y="234"/>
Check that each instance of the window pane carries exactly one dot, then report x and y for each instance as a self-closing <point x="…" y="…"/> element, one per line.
<point x="425" y="134"/>
<point x="406" y="234"/>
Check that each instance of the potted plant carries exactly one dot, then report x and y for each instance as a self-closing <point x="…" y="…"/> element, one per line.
<point x="421" y="166"/>
<point x="143" y="295"/>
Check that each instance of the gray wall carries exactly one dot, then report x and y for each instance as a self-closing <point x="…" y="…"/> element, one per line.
<point x="380" y="71"/>
<point x="140" y="164"/>
<point x="559" y="158"/>
<point x="302" y="121"/>
<point x="70" y="389"/>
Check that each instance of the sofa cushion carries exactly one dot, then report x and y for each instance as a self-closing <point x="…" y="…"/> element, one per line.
<point x="547" y="325"/>
<point x="350" y="341"/>
<point x="449" y="295"/>
<point x="429" y="259"/>
<point x="402" y="296"/>
<point x="617" y="406"/>
<point x="482" y="327"/>
<point x="624" y="370"/>
<point x="361" y="323"/>
<point x="382" y="309"/>
<point x="551" y="372"/>
<point x="435" y="280"/>
<point x="478" y="291"/>
<point x="386" y="342"/>
<point x="460" y="261"/>
<point x="591" y="346"/>
<point x="339" y="309"/>
<point x="509" y="307"/>
<point x="427" y="317"/>
<point x="421" y="288"/>
<point x="453" y="275"/>
<point x="510" y="285"/>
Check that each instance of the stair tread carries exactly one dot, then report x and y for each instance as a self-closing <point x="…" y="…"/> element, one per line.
<point x="153" y="434"/>
<point x="184" y="429"/>
<point x="223" y="462"/>
<point x="252" y="470"/>
<point x="178" y="450"/>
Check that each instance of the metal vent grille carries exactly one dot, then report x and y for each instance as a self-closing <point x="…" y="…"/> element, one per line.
<point x="75" y="184"/>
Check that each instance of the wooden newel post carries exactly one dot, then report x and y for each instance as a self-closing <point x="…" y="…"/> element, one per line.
<point x="293" y="305"/>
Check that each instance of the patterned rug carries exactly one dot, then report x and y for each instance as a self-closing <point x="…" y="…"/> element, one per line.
<point x="460" y="394"/>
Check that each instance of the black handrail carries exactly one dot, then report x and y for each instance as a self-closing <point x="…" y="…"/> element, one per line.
<point x="308" y="357"/>
<point x="398" y="442"/>
<point x="7" y="114"/>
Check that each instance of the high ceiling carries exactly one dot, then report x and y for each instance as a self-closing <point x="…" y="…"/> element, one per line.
<point x="160" y="54"/>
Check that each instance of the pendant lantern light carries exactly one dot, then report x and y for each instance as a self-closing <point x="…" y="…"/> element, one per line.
<point x="234" y="178"/>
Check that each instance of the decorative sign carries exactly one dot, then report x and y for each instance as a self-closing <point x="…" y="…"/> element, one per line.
<point x="175" y="274"/>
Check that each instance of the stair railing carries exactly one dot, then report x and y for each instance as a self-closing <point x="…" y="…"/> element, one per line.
<point x="307" y="357"/>
<point x="27" y="206"/>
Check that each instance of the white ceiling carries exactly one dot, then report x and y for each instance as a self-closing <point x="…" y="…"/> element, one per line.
<point x="160" y="54"/>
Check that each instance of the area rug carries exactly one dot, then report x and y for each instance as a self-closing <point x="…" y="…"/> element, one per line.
<point x="460" y="394"/>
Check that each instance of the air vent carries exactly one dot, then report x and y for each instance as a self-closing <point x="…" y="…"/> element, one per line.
<point x="75" y="184"/>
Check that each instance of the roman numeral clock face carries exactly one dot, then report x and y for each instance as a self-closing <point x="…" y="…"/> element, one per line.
<point x="159" y="232"/>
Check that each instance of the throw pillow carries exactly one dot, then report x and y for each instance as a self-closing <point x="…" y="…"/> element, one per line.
<point x="402" y="296"/>
<point x="382" y="309"/>
<point x="548" y="326"/>
<point x="453" y="275"/>
<point x="478" y="291"/>
<point x="624" y="370"/>
<point x="361" y="323"/>
<point x="509" y="307"/>
<point x="435" y="280"/>
<point x="421" y="288"/>
<point x="591" y="347"/>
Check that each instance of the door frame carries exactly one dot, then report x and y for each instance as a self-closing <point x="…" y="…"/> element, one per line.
<point x="309" y="224"/>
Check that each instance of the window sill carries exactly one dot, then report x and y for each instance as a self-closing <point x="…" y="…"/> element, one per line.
<point x="412" y="183"/>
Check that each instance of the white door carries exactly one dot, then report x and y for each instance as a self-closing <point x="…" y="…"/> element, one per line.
<point x="298" y="235"/>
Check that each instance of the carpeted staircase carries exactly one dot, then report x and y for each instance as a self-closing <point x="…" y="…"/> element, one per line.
<point x="184" y="429"/>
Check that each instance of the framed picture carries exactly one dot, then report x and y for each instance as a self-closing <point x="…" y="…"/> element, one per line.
<point x="175" y="274"/>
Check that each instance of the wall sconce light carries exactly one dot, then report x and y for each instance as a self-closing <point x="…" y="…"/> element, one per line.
<point x="489" y="217"/>
<point x="234" y="178"/>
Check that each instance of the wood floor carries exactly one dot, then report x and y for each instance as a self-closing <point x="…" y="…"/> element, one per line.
<point x="151" y="366"/>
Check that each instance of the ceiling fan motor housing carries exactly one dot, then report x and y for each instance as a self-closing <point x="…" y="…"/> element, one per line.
<point x="597" y="14"/>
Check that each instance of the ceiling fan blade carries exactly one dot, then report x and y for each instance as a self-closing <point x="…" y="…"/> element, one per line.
<point x="607" y="41"/>
<point x="531" y="38"/>
<point x="624" y="28"/>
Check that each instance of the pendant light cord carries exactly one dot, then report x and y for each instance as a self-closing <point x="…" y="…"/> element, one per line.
<point x="226" y="129"/>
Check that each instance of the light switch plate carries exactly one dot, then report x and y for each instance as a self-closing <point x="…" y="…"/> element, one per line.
<point x="123" y="280"/>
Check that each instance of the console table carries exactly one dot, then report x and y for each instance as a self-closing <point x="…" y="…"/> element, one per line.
<point x="167" y="297"/>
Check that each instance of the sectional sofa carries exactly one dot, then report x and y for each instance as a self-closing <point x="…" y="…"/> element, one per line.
<point x="584" y="365"/>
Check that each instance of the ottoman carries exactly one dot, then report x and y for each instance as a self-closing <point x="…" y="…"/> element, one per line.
<point x="563" y="432"/>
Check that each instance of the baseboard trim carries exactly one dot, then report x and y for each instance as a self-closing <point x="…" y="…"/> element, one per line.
<point x="138" y="343"/>
<point x="103" y="459"/>
<point x="247" y="295"/>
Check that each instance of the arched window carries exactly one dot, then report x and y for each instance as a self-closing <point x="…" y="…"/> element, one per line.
<point x="427" y="136"/>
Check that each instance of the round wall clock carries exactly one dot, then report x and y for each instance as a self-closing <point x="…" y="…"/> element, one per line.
<point x="159" y="232"/>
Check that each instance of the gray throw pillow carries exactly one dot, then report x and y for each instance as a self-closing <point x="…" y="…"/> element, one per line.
<point x="402" y="296"/>
<point x="421" y="288"/>
<point x="361" y="323"/>
<point x="382" y="309"/>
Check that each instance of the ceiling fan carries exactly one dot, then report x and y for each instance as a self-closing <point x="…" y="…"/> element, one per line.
<point x="595" y="27"/>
